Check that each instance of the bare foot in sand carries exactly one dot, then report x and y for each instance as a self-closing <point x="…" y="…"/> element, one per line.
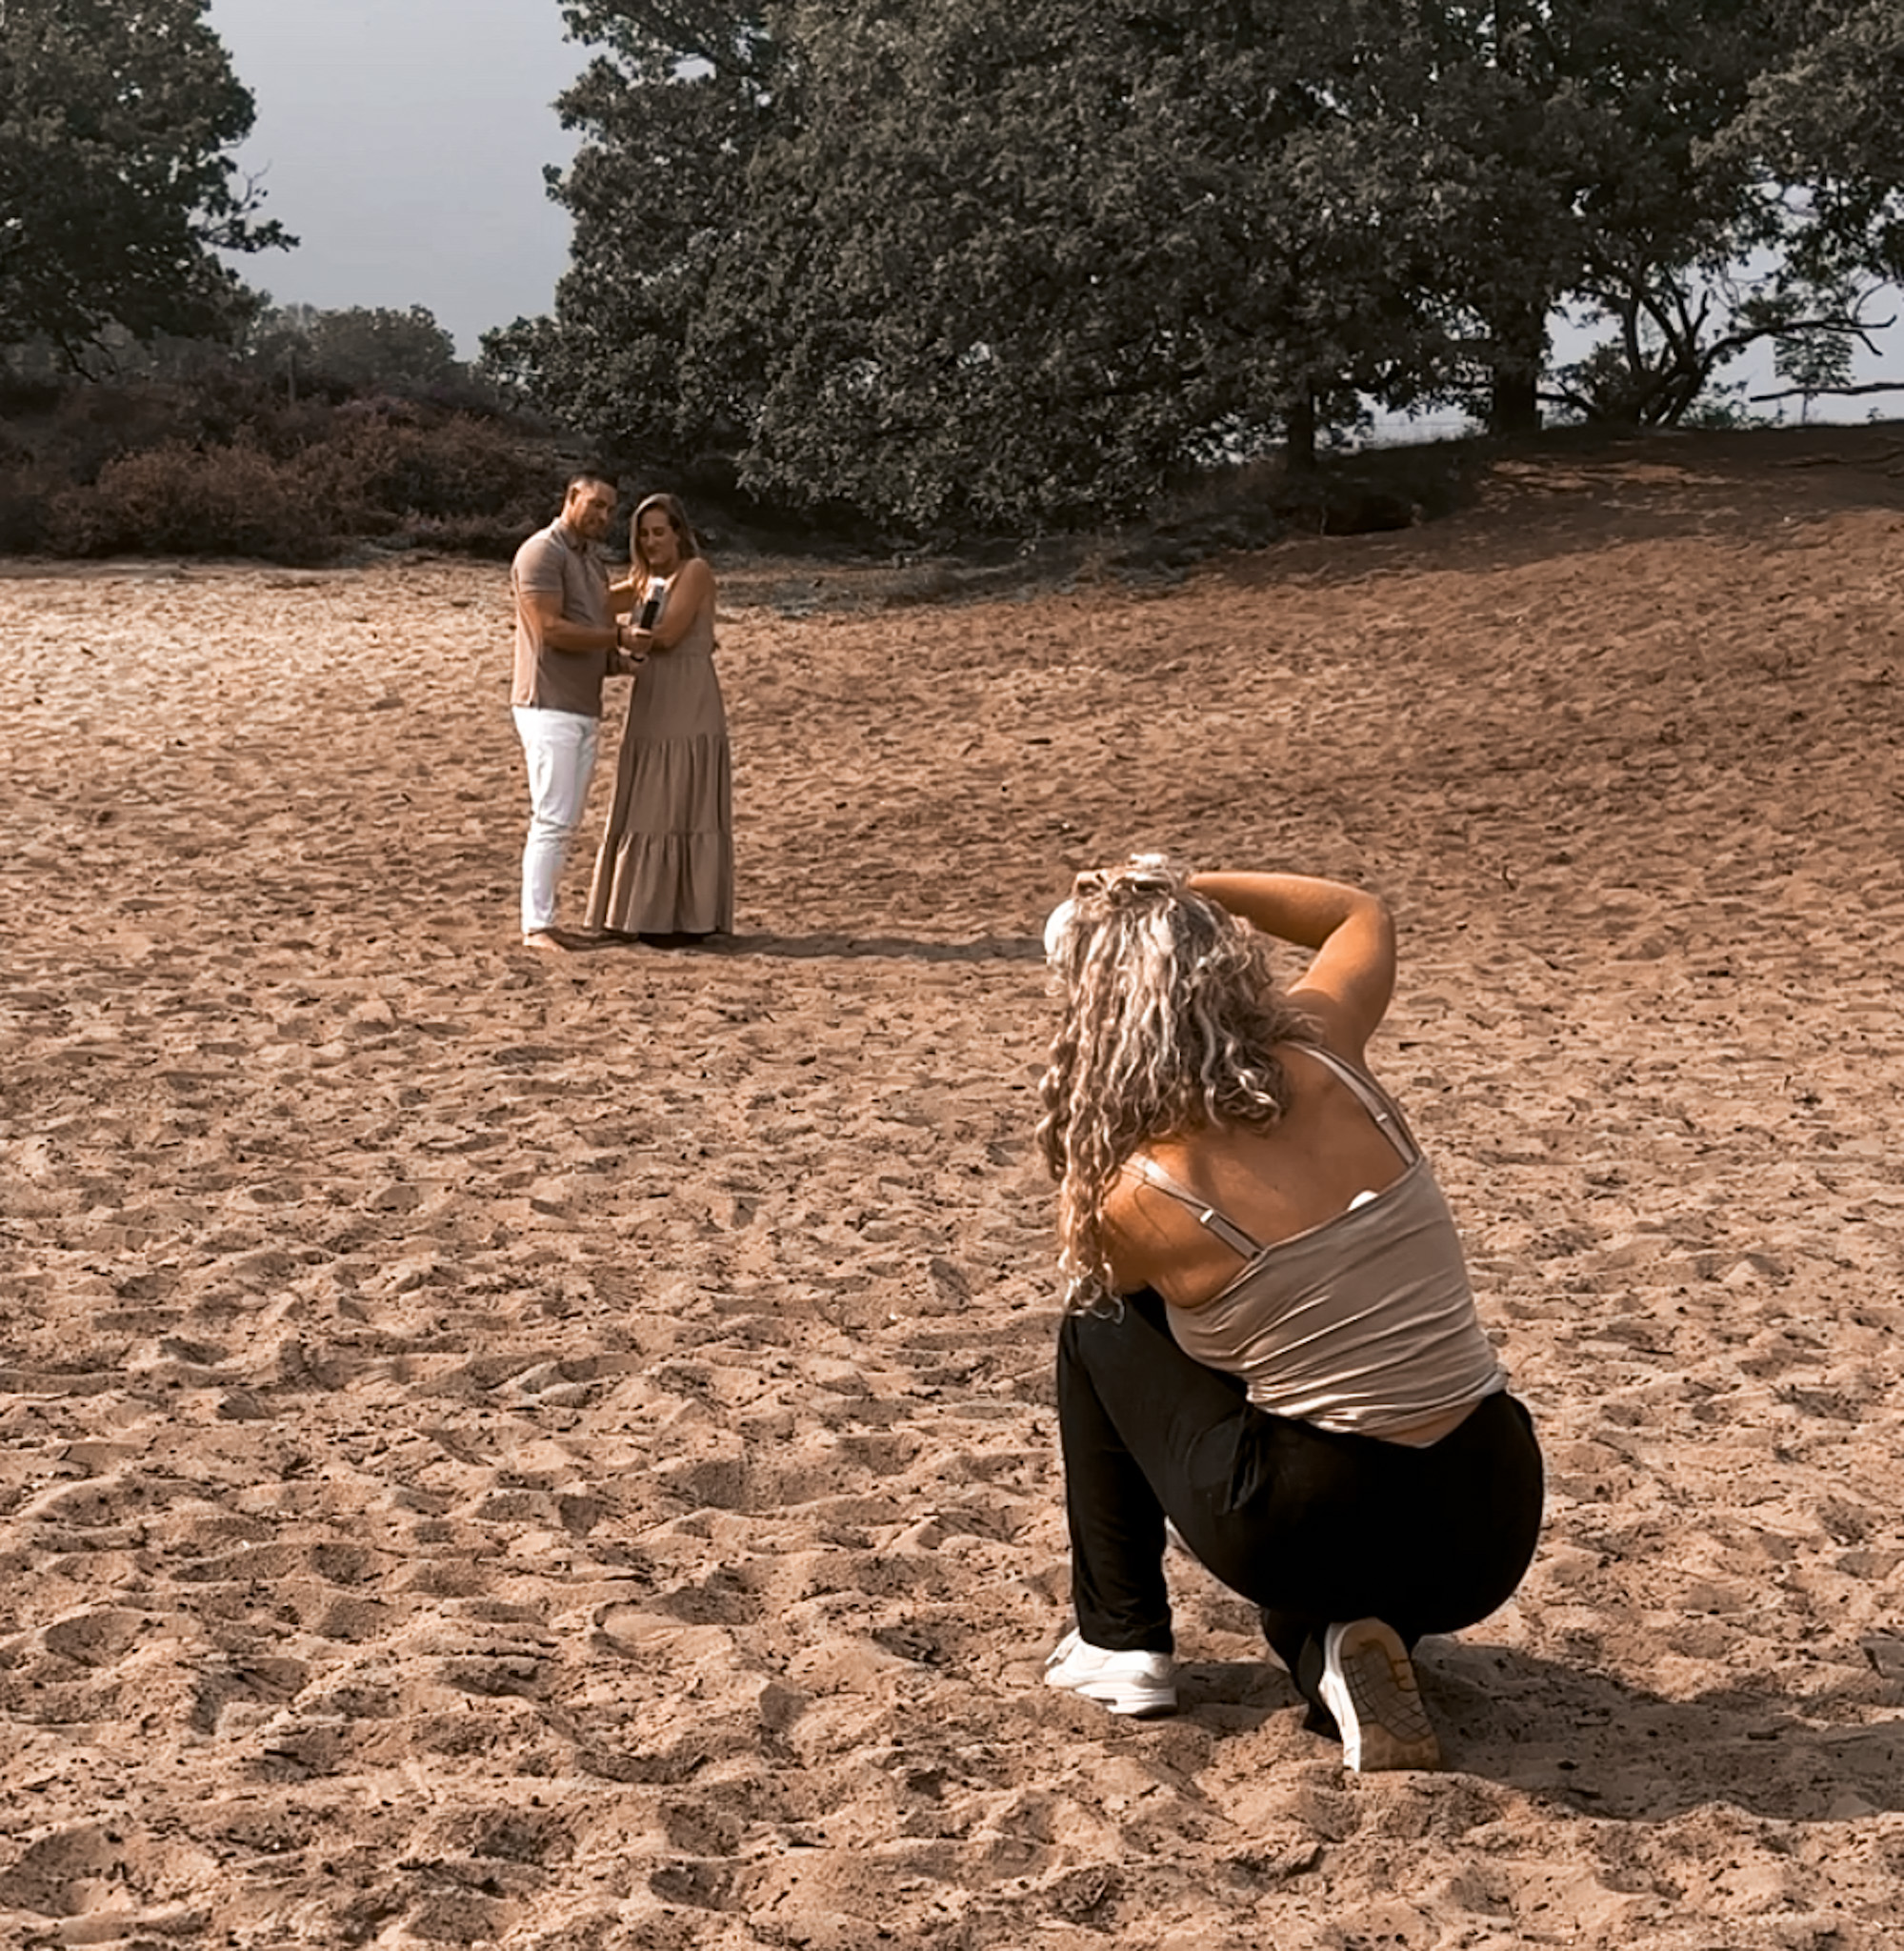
<point x="545" y="940"/>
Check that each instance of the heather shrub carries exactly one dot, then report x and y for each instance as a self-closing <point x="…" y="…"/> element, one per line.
<point x="26" y="494"/>
<point x="495" y="537"/>
<point x="188" y="501"/>
<point x="224" y="407"/>
<point x="90" y="426"/>
<point x="457" y="468"/>
<point x="334" y="494"/>
<point x="224" y="460"/>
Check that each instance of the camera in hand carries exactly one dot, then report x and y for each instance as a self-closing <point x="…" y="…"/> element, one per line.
<point x="651" y="607"/>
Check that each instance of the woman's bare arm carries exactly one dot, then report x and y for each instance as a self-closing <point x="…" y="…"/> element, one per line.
<point x="689" y="587"/>
<point x="1351" y="971"/>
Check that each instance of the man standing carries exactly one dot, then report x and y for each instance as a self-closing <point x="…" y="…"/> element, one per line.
<point x="568" y="638"/>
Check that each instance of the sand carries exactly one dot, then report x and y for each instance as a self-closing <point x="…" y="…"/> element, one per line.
<point x="558" y="1452"/>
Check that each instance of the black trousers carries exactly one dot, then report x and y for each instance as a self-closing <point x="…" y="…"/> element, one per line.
<point x="1310" y="1525"/>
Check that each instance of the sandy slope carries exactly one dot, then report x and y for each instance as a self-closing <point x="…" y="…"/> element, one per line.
<point x="561" y="1456"/>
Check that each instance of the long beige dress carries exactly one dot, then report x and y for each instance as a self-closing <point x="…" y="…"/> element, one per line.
<point x="666" y="864"/>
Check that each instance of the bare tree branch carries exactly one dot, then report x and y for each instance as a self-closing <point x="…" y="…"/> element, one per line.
<point x="1794" y="392"/>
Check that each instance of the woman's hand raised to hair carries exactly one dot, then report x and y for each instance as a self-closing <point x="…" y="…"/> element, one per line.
<point x="1351" y="977"/>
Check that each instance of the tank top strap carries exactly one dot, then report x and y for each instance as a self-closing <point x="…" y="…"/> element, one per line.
<point x="1208" y="1216"/>
<point x="1374" y="1099"/>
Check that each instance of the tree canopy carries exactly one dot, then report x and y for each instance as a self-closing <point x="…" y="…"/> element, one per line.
<point x="1028" y="256"/>
<point x="675" y="106"/>
<point x="1828" y="116"/>
<point x="357" y="349"/>
<point x="1015" y="262"/>
<point x="117" y="187"/>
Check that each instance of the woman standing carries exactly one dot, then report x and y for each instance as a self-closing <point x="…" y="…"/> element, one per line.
<point x="665" y="870"/>
<point x="1269" y="1337"/>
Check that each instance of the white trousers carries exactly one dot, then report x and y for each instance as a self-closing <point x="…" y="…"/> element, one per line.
<point x="560" y="748"/>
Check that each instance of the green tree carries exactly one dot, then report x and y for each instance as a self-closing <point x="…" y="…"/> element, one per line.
<point x="1573" y="145"/>
<point x="1643" y="163"/>
<point x="1815" y="363"/>
<point x="358" y="349"/>
<point x="1828" y="121"/>
<point x="1014" y="261"/>
<point x="118" y="188"/>
<point x="1020" y="259"/>
<point x="1730" y="226"/>
<point x="672" y="109"/>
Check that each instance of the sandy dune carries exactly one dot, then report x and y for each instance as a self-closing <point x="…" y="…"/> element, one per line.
<point x="560" y="1455"/>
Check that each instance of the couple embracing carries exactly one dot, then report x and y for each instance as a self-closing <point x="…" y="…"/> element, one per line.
<point x="664" y="873"/>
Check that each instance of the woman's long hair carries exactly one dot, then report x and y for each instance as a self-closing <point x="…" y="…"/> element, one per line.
<point x="677" y="520"/>
<point x="1171" y="1024"/>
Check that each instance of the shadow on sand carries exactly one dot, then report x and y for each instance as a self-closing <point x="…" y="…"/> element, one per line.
<point x="1590" y="1742"/>
<point x="816" y="948"/>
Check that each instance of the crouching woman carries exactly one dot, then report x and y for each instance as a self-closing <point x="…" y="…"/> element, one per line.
<point x="1270" y="1339"/>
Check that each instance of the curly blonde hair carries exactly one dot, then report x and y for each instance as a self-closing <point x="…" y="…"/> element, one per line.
<point x="1170" y="1021"/>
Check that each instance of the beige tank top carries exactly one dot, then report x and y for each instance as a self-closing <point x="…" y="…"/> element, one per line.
<point x="1365" y="1323"/>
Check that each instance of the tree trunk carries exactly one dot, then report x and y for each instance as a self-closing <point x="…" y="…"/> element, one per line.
<point x="1514" y="404"/>
<point x="1520" y="352"/>
<point x="1299" y="433"/>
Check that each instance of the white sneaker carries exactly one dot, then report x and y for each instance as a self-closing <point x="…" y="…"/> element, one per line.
<point x="1137" y="1683"/>
<point x="1368" y="1683"/>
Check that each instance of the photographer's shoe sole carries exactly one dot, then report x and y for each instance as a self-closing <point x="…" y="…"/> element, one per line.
<point x="1368" y="1683"/>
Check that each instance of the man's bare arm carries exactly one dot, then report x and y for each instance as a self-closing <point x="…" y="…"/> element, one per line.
<point x="559" y="633"/>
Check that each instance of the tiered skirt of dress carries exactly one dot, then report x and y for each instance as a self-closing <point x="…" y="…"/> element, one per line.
<point x="665" y="862"/>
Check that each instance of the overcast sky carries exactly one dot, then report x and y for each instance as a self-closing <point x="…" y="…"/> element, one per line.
<point x="402" y="142"/>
